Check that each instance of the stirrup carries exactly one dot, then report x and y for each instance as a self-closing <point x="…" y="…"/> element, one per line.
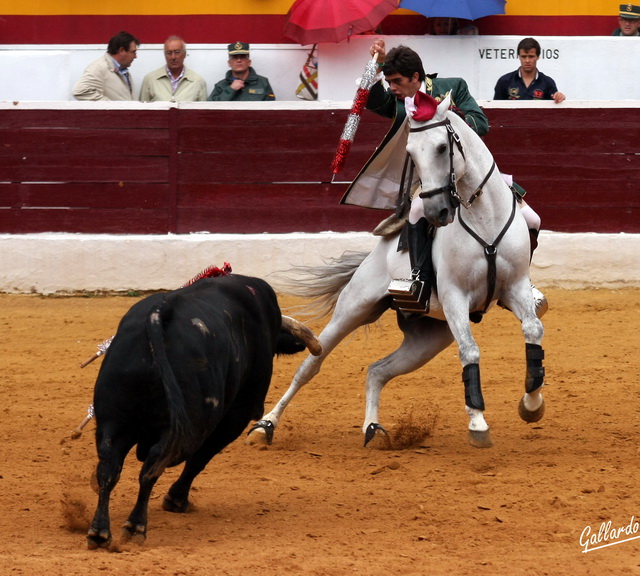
<point x="409" y="294"/>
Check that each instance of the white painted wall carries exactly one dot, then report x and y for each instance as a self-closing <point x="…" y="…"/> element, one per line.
<point x="50" y="263"/>
<point x="584" y="67"/>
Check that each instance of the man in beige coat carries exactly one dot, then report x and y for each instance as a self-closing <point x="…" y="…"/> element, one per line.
<point x="108" y="77"/>
<point x="174" y="82"/>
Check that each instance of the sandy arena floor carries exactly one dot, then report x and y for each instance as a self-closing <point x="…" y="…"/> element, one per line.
<point x="316" y="502"/>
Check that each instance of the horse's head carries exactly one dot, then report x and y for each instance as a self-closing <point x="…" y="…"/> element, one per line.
<point x="433" y="147"/>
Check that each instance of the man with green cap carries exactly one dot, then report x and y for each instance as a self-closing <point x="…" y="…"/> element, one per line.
<point x="628" y="20"/>
<point x="241" y="83"/>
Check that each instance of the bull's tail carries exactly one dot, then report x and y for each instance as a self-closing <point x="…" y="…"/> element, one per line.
<point x="322" y="284"/>
<point x="181" y="436"/>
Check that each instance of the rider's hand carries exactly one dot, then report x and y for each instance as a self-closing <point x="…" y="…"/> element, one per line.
<point x="379" y="48"/>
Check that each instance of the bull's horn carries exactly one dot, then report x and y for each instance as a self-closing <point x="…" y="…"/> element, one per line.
<point x="300" y="331"/>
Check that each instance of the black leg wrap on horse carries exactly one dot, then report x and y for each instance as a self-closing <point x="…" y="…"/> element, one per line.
<point x="472" y="390"/>
<point x="535" y="369"/>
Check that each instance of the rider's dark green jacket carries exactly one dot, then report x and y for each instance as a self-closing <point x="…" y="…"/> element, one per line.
<point x="384" y="102"/>
<point x="378" y="183"/>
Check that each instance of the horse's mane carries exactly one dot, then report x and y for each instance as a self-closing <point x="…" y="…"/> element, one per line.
<point x="322" y="284"/>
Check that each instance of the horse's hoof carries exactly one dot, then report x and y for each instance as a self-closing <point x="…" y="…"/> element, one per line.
<point x="261" y="433"/>
<point x="101" y="539"/>
<point x="374" y="430"/>
<point x="480" y="439"/>
<point x="530" y="415"/>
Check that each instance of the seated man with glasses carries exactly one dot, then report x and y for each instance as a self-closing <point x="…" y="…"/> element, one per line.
<point x="241" y="83"/>
<point x="174" y="82"/>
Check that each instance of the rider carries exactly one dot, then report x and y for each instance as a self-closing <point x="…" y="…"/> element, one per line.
<point x="378" y="183"/>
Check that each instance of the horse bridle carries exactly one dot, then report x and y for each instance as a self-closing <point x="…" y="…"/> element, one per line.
<point x="490" y="250"/>
<point x="452" y="188"/>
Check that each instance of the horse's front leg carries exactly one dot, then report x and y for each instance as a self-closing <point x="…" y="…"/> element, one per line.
<point x="457" y="313"/>
<point x="531" y="406"/>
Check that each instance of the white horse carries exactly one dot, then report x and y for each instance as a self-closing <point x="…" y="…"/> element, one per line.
<point x="480" y="256"/>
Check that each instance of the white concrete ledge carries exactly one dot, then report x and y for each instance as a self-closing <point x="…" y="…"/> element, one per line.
<point x="59" y="263"/>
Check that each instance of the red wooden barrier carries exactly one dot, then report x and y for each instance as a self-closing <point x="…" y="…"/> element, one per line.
<point x="252" y="171"/>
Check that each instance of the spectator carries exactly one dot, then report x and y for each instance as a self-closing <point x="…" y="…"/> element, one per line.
<point x="174" y="82"/>
<point x="108" y="77"/>
<point x="452" y="26"/>
<point x="628" y="21"/>
<point x="241" y="83"/>
<point x="527" y="82"/>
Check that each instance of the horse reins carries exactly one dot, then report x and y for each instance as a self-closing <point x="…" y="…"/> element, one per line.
<point x="490" y="250"/>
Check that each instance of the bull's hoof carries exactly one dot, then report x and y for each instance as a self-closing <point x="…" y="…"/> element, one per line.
<point x="134" y="533"/>
<point x="376" y="431"/>
<point x="480" y="439"/>
<point x="530" y="416"/>
<point x="261" y="433"/>
<point x="169" y="504"/>
<point x="98" y="539"/>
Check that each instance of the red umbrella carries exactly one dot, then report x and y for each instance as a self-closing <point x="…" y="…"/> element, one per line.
<point x="313" y="21"/>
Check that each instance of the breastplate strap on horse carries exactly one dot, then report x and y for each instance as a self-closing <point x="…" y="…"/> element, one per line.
<point x="490" y="251"/>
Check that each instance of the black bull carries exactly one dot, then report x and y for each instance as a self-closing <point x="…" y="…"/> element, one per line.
<point x="186" y="372"/>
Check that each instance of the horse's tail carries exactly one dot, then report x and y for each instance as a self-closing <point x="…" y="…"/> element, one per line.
<point x="322" y="284"/>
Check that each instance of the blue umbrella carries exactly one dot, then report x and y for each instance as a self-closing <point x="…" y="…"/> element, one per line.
<point x="466" y="9"/>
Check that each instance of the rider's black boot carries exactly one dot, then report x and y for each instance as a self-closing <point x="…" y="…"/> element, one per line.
<point x="413" y="295"/>
<point x="420" y="250"/>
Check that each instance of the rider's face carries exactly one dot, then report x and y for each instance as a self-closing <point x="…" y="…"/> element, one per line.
<point x="402" y="86"/>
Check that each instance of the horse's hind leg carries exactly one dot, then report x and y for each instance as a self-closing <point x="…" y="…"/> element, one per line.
<point x="424" y="338"/>
<point x="346" y="318"/>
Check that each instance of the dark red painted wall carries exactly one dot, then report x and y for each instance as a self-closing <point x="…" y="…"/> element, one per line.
<point x="251" y="171"/>
<point x="262" y="28"/>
